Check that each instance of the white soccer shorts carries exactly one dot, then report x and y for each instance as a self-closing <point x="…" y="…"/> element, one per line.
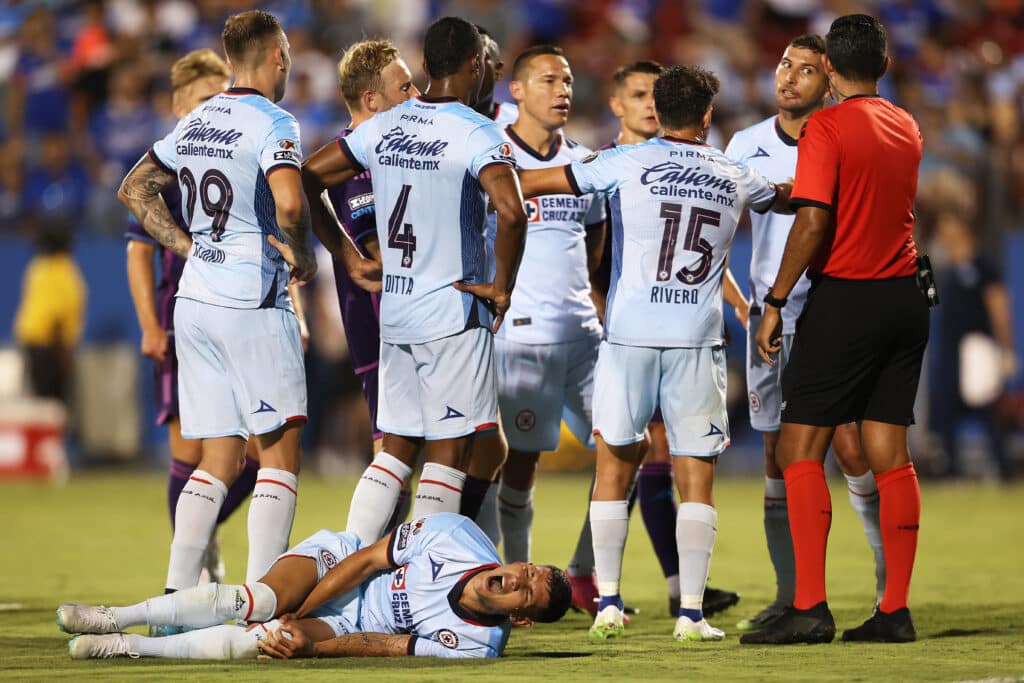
<point x="327" y="549"/>
<point x="630" y="381"/>
<point x="539" y="385"/>
<point x="764" y="381"/>
<point x="240" y="370"/>
<point x="441" y="389"/>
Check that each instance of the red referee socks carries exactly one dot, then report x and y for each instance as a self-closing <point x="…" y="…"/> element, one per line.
<point x="810" y="517"/>
<point x="899" y="516"/>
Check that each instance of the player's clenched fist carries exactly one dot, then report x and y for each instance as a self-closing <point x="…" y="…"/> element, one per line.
<point x="769" y="334"/>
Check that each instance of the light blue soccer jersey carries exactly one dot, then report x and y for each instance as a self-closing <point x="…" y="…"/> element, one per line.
<point x="674" y="209"/>
<point x="222" y="154"/>
<point x="551" y="303"/>
<point x="426" y="156"/>
<point x="767" y="149"/>
<point x="434" y="558"/>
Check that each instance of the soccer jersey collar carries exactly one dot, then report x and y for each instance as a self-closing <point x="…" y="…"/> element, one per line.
<point x="552" y="151"/>
<point x="455" y="594"/>
<point x="243" y="91"/>
<point x="684" y="141"/>
<point x="436" y="100"/>
<point x="783" y="135"/>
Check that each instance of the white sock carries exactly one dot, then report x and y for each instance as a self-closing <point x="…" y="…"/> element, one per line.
<point x="271" y="513"/>
<point x="440" y="490"/>
<point x="780" y="541"/>
<point x="864" y="498"/>
<point x="217" y="642"/>
<point x="609" y="525"/>
<point x="375" y="497"/>
<point x="696" y="526"/>
<point x="673" y="586"/>
<point x="487" y="518"/>
<point x="194" y="520"/>
<point x="206" y="605"/>
<point x="516" y="516"/>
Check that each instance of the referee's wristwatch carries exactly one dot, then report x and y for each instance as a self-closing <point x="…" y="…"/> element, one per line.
<point x="773" y="301"/>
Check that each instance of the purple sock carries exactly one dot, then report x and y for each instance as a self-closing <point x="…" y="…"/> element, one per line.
<point x="658" y="508"/>
<point x="240" y="491"/>
<point x="473" y="492"/>
<point x="177" y="477"/>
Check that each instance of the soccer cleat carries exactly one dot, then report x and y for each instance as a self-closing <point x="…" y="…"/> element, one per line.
<point x="814" y="625"/>
<point x="584" y="594"/>
<point x="75" y="618"/>
<point x="716" y="600"/>
<point x="689" y="630"/>
<point x="164" y="630"/>
<point x="608" y="624"/>
<point x="759" y="620"/>
<point x="105" y="646"/>
<point x="894" y="627"/>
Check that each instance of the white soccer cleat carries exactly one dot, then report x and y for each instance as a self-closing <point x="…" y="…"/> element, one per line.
<point x="608" y="624"/>
<point x="689" y="630"/>
<point x="75" y="618"/>
<point x="106" y="646"/>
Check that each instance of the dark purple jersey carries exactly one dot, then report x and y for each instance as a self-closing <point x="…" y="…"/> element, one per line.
<point x="360" y="310"/>
<point x="170" y="265"/>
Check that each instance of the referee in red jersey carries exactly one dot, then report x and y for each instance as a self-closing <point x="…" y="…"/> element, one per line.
<point x="859" y="343"/>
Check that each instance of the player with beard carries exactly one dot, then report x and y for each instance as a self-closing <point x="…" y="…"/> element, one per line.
<point x="770" y="147"/>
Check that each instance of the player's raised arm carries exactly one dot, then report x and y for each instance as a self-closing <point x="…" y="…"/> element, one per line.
<point x="348" y="574"/>
<point x="140" y="192"/>
<point x="540" y="181"/>
<point x="502" y="187"/>
<point x="327" y="167"/>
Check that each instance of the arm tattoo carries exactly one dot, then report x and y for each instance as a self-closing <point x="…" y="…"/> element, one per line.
<point x="364" y="645"/>
<point x="299" y="237"/>
<point x="140" y="192"/>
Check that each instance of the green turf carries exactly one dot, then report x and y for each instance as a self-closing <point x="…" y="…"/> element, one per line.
<point x="105" y="538"/>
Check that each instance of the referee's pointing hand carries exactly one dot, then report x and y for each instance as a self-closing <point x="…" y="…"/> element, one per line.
<point x="769" y="334"/>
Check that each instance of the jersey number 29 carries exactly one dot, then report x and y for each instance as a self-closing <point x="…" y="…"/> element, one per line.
<point x="218" y="209"/>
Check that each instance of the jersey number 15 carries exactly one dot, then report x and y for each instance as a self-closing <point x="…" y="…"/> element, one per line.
<point x="673" y="215"/>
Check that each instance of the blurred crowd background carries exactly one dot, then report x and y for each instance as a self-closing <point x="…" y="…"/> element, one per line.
<point x="84" y="91"/>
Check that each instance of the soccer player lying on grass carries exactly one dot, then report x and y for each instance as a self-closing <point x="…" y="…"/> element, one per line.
<point x="434" y="587"/>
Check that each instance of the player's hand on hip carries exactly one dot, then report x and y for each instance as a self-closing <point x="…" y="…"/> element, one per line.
<point x="368" y="274"/>
<point x="303" y="267"/>
<point x="496" y="300"/>
<point x="154" y="343"/>
<point x="769" y="334"/>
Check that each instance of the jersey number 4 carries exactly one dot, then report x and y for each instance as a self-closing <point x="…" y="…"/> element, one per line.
<point x="673" y="215"/>
<point x="400" y="234"/>
<point x="218" y="208"/>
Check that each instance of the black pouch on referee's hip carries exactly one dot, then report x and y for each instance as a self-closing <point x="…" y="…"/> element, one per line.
<point x="926" y="280"/>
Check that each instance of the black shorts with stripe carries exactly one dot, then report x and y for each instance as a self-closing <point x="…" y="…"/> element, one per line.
<point x="857" y="353"/>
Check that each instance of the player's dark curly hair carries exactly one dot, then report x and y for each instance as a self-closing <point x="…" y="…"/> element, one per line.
<point x="809" y="41"/>
<point x="683" y="94"/>
<point x="448" y="44"/>
<point x="855" y="45"/>
<point x="559" y="597"/>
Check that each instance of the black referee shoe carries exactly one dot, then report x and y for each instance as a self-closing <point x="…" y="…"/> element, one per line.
<point x="894" y="627"/>
<point x="715" y="601"/>
<point x="814" y="625"/>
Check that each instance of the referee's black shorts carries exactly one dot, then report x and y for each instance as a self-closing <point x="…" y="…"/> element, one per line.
<point x="857" y="353"/>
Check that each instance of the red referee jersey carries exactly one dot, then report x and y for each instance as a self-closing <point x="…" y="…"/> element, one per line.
<point x="859" y="160"/>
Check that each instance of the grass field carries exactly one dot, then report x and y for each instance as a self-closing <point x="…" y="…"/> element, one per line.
<point x="104" y="538"/>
